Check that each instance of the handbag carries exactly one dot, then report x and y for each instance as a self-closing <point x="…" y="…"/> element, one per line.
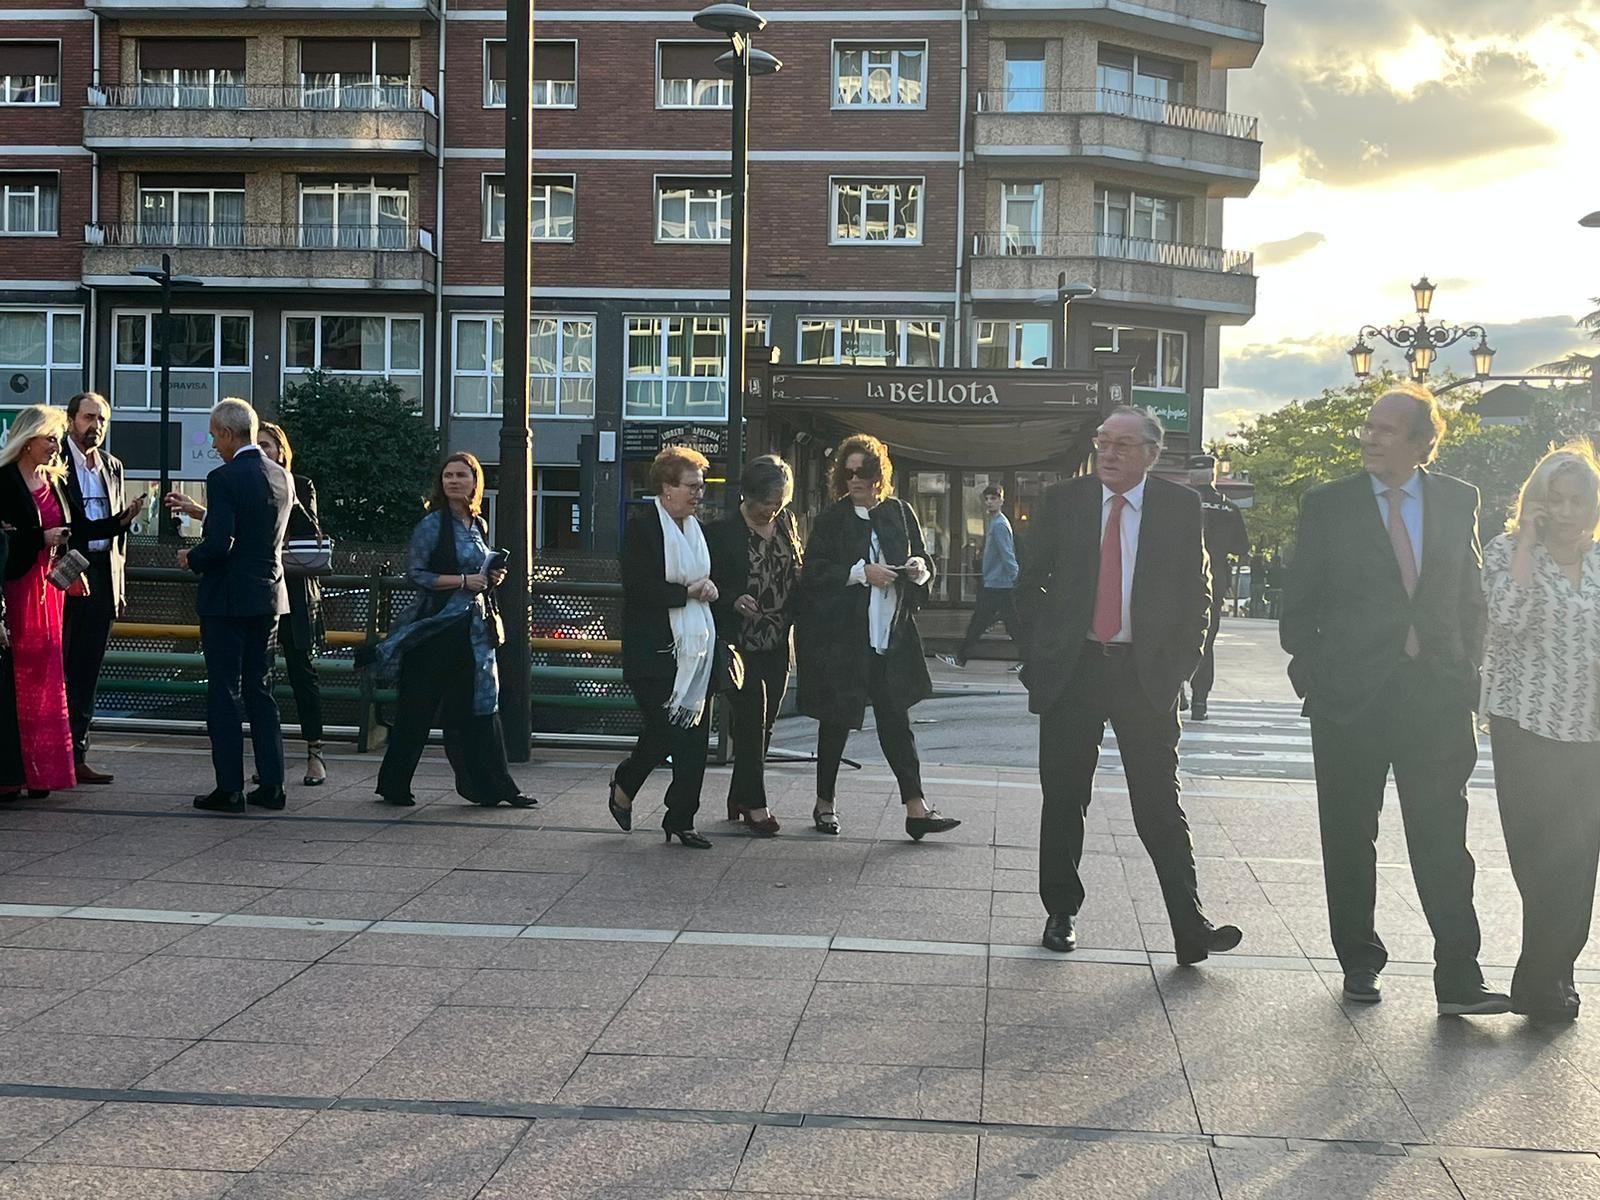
<point x="308" y="557"/>
<point x="67" y="573"/>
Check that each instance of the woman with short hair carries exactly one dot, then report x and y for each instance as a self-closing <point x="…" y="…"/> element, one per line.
<point x="1541" y="694"/>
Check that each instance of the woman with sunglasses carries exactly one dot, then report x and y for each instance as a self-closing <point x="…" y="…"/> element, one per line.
<point x="856" y="642"/>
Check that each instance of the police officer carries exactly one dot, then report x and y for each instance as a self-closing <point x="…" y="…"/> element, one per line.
<point x="1225" y="536"/>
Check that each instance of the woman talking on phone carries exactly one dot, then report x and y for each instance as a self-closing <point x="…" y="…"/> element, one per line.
<point x="856" y="642"/>
<point x="443" y="648"/>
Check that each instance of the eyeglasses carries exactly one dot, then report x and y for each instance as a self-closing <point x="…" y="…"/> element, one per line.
<point x="696" y="488"/>
<point x="870" y="474"/>
<point x="1104" y="445"/>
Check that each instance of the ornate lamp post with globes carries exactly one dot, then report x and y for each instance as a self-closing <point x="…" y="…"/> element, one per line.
<point x="1422" y="342"/>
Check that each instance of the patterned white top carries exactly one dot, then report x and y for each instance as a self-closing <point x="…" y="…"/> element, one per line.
<point x="1541" y="664"/>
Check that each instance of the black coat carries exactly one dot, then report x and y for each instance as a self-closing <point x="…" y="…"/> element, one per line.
<point x="18" y="510"/>
<point x="240" y="554"/>
<point x="1171" y="601"/>
<point x="647" y="601"/>
<point x="1345" y="609"/>
<point x="729" y="541"/>
<point x="305" y="591"/>
<point x="832" y="646"/>
<point x="109" y="529"/>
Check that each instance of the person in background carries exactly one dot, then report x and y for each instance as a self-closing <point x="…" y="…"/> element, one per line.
<point x="101" y="517"/>
<point x="443" y="650"/>
<point x="996" y="595"/>
<point x="1258" y="584"/>
<point x="856" y="642"/>
<point x="1541" y="693"/>
<point x="1226" y="539"/>
<point x="35" y="509"/>
<point x="755" y="564"/>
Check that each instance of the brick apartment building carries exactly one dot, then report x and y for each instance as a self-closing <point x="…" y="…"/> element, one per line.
<point x="922" y="173"/>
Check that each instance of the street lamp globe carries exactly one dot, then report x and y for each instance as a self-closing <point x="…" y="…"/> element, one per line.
<point x="1422" y="293"/>
<point x="761" y="63"/>
<point x="1361" y="358"/>
<point x="1592" y="221"/>
<point x="1482" y="358"/>
<point x="1422" y="355"/>
<point x="730" y="20"/>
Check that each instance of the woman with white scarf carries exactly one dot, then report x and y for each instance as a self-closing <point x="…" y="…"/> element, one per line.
<point x="672" y="656"/>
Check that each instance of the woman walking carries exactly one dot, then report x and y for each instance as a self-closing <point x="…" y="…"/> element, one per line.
<point x="444" y="649"/>
<point x="857" y="642"/>
<point x="33" y="503"/>
<point x="672" y="655"/>
<point x="1541" y="693"/>
<point x="755" y="563"/>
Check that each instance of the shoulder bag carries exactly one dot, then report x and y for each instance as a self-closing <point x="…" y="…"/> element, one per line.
<point x="308" y="557"/>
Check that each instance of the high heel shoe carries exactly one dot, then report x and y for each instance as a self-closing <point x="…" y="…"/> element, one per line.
<point x="826" y="822"/>
<point x="316" y="768"/>
<point x="766" y="827"/>
<point x="622" y="816"/>
<point x="689" y="837"/>
<point x="919" y="827"/>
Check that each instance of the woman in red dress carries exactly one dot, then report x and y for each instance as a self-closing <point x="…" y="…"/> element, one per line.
<point x="33" y="507"/>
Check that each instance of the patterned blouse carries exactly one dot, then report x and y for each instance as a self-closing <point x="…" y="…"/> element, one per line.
<point x="1542" y="659"/>
<point x="772" y="578"/>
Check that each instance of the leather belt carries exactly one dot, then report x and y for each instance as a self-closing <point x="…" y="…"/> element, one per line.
<point x="1109" y="648"/>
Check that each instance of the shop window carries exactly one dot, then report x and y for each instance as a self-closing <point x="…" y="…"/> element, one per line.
<point x="41" y="354"/>
<point x="357" y="345"/>
<point x="1005" y="345"/>
<point x="1162" y="353"/>
<point x="677" y="367"/>
<point x="871" y="342"/>
<point x="209" y="355"/>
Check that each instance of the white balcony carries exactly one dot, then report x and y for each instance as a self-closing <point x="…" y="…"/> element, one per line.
<point x="1231" y="29"/>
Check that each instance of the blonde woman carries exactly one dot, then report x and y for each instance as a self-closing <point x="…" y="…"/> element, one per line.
<point x="1541" y="695"/>
<point x="33" y="503"/>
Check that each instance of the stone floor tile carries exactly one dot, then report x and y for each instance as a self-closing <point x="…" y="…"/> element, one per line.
<point x="139" y="1014"/>
<point x="1321" y="1175"/>
<point x="80" y="1060"/>
<point x="1325" y="1062"/>
<point x="27" y="1122"/>
<point x="19" y="1005"/>
<point x="1127" y="1054"/>
<point x="734" y="998"/>
<point x="1463" y="1115"/>
<point x="584" y="1160"/>
<point x="412" y="950"/>
<point x="881" y="967"/>
<point x="47" y="1181"/>
<point x="290" y="945"/>
<point x="1255" y="1108"/>
<point x="889" y="1042"/>
<point x="652" y="1081"/>
<point x="1014" y="1168"/>
<point x="209" y="867"/>
<point x="266" y="1068"/>
<point x="557" y="954"/>
<point x="66" y="969"/>
<point x="304" y="902"/>
<point x="857" y="1162"/>
<point x="1069" y="974"/>
<point x="846" y="1003"/>
<point x="125" y="937"/>
<point x="1525" y="1179"/>
<point x="741" y="962"/>
<point x="912" y="1093"/>
<point x="691" y="1033"/>
<point x="175" y="1136"/>
<point x="916" y="926"/>
<point x="1091" y="1100"/>
<point x="588" y="991"/>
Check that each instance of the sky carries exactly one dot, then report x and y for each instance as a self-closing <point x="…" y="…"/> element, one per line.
<point x="1458" y="139"/>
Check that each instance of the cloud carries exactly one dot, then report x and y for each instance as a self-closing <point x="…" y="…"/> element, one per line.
<point x="1271" y="254"/>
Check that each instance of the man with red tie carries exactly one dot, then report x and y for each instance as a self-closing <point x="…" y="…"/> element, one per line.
<point x="1115" y="598"/>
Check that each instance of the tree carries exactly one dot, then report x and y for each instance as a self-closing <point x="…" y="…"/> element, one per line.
<point x="1579" y="365"/>
<point x="367" y="448"/>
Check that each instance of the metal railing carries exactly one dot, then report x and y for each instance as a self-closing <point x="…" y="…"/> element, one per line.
<point x="1102" y="245"/>
<point x="238" y="236"/>
<point x="374" y="97"/>
<point x="1119" y="104"/>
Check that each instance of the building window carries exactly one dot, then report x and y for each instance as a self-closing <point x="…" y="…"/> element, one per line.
<point x="209" y="356"/>
<point x="871" y="342"/>
<point x="30" y="204"/>
<point x="355" y="72"/>
<point x="877" y="210"/>
<point x="361" y="346"/>
<point x="355" y="214"/>
<point x="1137" y="85"/>
<point x="693" y="210"/>
<point x="555" y="74"/>
<point x="1008" y="345"/>
<point x="688" y="76"/>
<point x="1120" y="214"/>
<point x="494" y="73"/>
<point x="1162" y="353"/>
<point x="30" y="72"/>
<point x="553" y="214"/>
<point x="1022" y="216"/>
<point x="194" y="211"/>
<point x="678" y="366"/>
<point x="41" y="354"/>
<point x="560" y="367"/>
<point x="868" y="76"/>
<point x="1024" y="76"/>
<point x="191" y="73"/>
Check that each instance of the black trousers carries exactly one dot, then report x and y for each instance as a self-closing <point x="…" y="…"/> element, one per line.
<point x="300" y="664"/>
<point x="754" y="709"/>
<point x="238" y="654"/>
<point x="1205" y="675"/>
<point x="660" y="740"/>
<point x="1105" y="688"/>
<point x="893" y="719"/>
<point x="994" y="604"/>
<point x="1549" y="795"/>
<point x="86" y="631"/>
<point x="1428" y="738"/>
<point x="436" y="678"/>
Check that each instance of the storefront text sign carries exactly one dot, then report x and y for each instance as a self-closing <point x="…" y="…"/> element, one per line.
<point x="641" y="439"/>
<point x="1001" y="393"/>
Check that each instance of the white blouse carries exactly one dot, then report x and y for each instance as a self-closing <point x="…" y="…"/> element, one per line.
<point x="1541" y="664"/>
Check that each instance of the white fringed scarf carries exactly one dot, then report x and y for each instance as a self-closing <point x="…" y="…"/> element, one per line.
<point x="693" y="630"/>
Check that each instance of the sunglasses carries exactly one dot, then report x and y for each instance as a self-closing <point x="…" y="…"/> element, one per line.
<point x="870" y="474"/>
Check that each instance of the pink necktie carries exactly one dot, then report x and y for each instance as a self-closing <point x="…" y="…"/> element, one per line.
<point x="1405" y="554"/>
<point x="1108" y="590"/>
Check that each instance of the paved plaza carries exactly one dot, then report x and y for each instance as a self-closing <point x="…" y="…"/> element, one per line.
<point x="353" y="1001"/>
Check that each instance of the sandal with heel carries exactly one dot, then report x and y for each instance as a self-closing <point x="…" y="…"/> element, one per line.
<point x="826" y="822"/>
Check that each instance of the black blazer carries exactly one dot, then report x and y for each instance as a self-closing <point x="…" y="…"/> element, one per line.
<point x="109" y="528"/>
<point x="647" y="601"/>
<point x="1171" y="602"/>
<point x="240" y="555"/>
<point x="729" y="542"/>
<point x="1345" y="609"/>
<point x="18" y="510"/>
<point x="305" y="591"/>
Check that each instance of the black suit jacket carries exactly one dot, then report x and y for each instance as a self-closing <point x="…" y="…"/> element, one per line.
<point x="1171" y="602"/>
<point x="18" y="510"/>
<point x="1345" y="609"/>
<point x="240" y="555"/>
<point x="109" y="528"/>
<point x="647" y="602"/>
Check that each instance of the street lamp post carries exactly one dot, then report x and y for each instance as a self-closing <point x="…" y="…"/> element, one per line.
<point x="1066" y="293"/>
<point x="1421" y="341"/>
<point x="163" y="278"/>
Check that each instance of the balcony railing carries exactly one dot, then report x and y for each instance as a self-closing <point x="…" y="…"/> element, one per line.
<point x="1119" y="104"/>
<point x="305" y="98"/>
<point x="1103" y="245"/>
<point x="232" y="236"/>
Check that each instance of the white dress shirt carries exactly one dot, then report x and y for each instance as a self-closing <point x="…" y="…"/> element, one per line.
<point x="1410" y="509"/>
<point x="1132" y="511"/>
<point x="92" y="483"/>
<point x="885" y="601"/>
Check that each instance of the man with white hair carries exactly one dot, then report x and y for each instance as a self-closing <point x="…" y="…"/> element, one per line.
<point x="241" y="596"/>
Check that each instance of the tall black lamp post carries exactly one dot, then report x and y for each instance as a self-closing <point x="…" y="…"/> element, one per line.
<point x="163" y="278"/>
<point x="1421" y="341"/>
<point x="738" y="23"/>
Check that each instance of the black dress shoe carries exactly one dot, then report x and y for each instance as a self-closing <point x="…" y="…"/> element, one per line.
<point x="1197" y="711"/>
<point x="1552" y="1005"/>
<point x="689" y="837"/>
<point x="1060" y="934"/>
<point x="406" y="801"/>
<point x="1477" y="1001"/>
<point x="87" y="774"/>
<point x="219" y="801"/>
<point x="271" y="799"/>
<point x="1362" y="987"/>
<point x="1217" y="939"/>
<point x="920" y="827"/>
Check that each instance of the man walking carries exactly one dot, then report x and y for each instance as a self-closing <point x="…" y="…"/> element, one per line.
<point x="1226" y="537"/>
<point x="1384" y="619"/>
<point x="1114" y="599"/>
<point x="997" y="592"/>
<point x="242" y="594"/>
<point x="101" y="515"/>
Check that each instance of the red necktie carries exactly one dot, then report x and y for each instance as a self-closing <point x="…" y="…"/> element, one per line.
<point x="1406" y="555"/>
<point x="1108" y="591"/>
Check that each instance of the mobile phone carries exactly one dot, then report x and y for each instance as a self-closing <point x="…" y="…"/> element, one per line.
<point x="498" y="561"/>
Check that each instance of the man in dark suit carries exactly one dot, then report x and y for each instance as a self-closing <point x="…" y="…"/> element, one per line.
<point x="1226" y="538"/>
<point x="101" y="515"/>
<point x="1384" y="619"/>
<point x="1115" y="599"/>
<point x="241" y="596"/>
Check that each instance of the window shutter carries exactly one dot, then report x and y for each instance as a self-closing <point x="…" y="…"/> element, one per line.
<point x="30" y="58"/>
<point x="1024" y="51"/>
<point x="497" y="59"/>
<point x="191" y="54"/>
<point x="557" y="61"/>
<point x="194" y="180"/>
<point x="691" y="60"/>
<point x="324" y="56"/>
<point x="394" y="56"/>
